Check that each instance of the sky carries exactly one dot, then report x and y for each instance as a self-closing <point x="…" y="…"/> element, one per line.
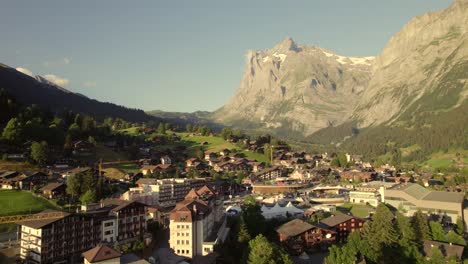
<point x="182" y="55"/>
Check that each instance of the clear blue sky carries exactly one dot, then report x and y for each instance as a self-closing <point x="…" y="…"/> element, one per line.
<point x="182" y="55"/>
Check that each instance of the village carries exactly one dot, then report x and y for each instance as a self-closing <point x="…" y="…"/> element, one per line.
<point x="179" y="200"/>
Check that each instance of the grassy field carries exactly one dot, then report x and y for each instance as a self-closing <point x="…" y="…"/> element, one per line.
<point x="107" y="154"/>
<point x="359" y="210"/>
<point x="118" y="171"/>
<point x="444" y="160"/>
<point x="14" y="202"/>
<point x="16" y="166"/>
<point x="133" y="131"/>
<point x="215" y="144"/>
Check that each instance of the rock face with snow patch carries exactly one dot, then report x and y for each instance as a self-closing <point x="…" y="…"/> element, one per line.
<point x="296" y="88"/>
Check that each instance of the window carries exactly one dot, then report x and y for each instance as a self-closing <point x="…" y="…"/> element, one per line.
<point x="188" y="251"/>
<point x="178" y="226"/>
<point x="178" y="242"/>
<point x="178" y="251"/>
<point x="187" y="234"/>
<point x="352" y="225"/>
<point x="109" y="224"/>
<point x="183" y="251"/>
<point x="109" y="232"/>
<point x="178" y="234"/>
<point x="187" y="226"/>
<point x="186" y="242"/>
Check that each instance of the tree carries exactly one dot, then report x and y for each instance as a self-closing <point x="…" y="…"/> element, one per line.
<point x="263" y="252"/>
<point x="267" y="152"/>
<point x="188" y="128"/>
<point x="13" y="131"/>
<point x="39" y="152"/>
<point x="421" y="229"/>
<point x="88" y="197"/>
<point x="243" y="235"/>
<point x="161" y="128"/>
<point x="454" y="238"/>
<point x="74" y="185"/>
<point x="380" y="233"/>
<point x="460" y="226"/>
<point x="92" y="140"/>
<point x="437" y="231"/>
<point x="436" y="256"/>
<point x="335" y="162"/>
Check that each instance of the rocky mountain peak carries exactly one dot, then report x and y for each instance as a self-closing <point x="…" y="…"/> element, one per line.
<point x="288" y="44"/>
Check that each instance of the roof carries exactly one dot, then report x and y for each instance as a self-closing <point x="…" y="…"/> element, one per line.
<point x="192" y="195"/>
<point x="335" y="220"/>
<point x="36" y="224"/>
<point x="293" y="228"/>
<point x="147" y="181"/>
<point x="131" y="258"/>
<point x="101" y="253"/>
<point x="440" y="196"/>
<point x="52" y="186"/>
<point x="421" y="193"/>
<point x="447" y="249"/>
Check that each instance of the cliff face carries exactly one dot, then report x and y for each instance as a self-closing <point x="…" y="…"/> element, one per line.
<point x="425" y="59"/>
<point x="296" y="88"/>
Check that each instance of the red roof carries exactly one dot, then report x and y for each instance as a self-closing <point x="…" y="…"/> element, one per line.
<point x="101" y="253"/>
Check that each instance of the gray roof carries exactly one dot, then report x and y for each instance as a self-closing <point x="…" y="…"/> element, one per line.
<point x="294" y="228"/>
<point x="440" y="196"/>
<point x="420" y="193"/>
<point x="335" y="220"/>
<point x="447" y="249"/>
<point x="43" y="222"/>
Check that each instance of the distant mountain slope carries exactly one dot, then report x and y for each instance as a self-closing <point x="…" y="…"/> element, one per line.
<point x="28" y="90"/>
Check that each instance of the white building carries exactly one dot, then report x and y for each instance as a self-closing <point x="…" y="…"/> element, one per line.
<point x="364" y="197"/>
<point x="197" y="224"/>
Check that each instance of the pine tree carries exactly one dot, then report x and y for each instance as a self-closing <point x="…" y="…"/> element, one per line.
<point x="421" y="229"/>
<point x="243" y="235"/>
<point x="436" y="256"/>
<point x="460" y="226"/>
<point x="454" y="238"/>
<point x="437" y="232"/>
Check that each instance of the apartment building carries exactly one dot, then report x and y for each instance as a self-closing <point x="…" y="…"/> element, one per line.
<point x="197" y="223"/>
<point x="65" y="236"/>
<point x="165" y="192"/>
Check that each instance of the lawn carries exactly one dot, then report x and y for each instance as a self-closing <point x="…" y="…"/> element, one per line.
<point x="13" y="202"/>
<point x="445" y="160"/>
<point x="118" y="171"/>
<point x="215" y="144"/>
<point x="132" y="131"/>
<point x="359" y="210"/>
<point x="107" y="154"/>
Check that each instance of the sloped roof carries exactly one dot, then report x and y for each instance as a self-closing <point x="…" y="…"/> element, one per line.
<point x="447" y="249"/>
<point x="192" y="195"/>
<point x="441" y="196"/>
<point x="294" y="227"/>
<point x="101" y="253"/>
<point x="335" y="220"/>
<point x="36" y="224"/>
<point x="52" y="186"/>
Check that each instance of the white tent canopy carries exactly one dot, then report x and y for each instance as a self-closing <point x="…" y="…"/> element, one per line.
<point x="279" y="211"/>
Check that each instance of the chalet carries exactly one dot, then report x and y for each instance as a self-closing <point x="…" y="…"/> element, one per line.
<point x="343" y="225"/>
<point x="54" y="189"/>
<point x="101" y="254"/>
<point x="82" y="147"/>
<point x="150" y="169"/>
<point x="133" y="177"/>
<point x="211" y="156"/>
<point x="77" y="170"/>
<point x="256" y="166"/>
<point x="28" y="179"/>
<point x="353" y="176"/>
<point x="225" y="152"/>
<point x="298" y="236"/>
<point x="302" y="175"/>
<point x="166" y="160"/>
<point x="6" y="179"/>
<point x="192" y="162"/>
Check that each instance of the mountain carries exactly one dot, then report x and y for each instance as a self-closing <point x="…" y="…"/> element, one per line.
<point x="28" y="90"/>
<point x="414" y="93"/>
<point x="293" y="88"/>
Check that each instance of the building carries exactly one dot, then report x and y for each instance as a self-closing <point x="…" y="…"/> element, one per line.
<point x="298" y="236"/>
<point x="267" y="174"/>
<point x="365" y="197"/>
<point x="54" y="189"/>
<point x="64" y="237"/>
<point x="165" y="192"/>
<point x="102" y="254"/>
<point x="343" y="225"/>
<point x="447" y="249"/>
<point x="197" y="223"/>
<point x="412" y="197"/>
